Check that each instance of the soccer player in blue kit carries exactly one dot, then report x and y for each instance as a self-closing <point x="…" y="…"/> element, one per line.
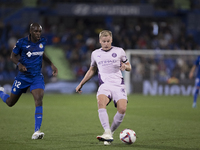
<point x="28" y="55"/>
<point x="197" y="80"/>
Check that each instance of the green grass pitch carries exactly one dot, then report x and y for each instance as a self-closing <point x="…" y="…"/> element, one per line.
<point x="70" y="122"/>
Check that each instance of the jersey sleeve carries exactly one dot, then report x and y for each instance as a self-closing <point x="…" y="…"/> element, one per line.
<point x="93" y="62"/>
<point x="197" y="61"/>
<point x="44" y="41"/>
<point x="17" y="48"/>
<point x="123" y="56"/>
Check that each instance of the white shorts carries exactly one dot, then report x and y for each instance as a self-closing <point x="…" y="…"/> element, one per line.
<point x="113" y="92"/>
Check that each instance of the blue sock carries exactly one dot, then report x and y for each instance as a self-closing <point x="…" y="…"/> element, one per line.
<point x="196" y="95"/>
<point x="4" y="96"/>
<point x="38" y="117"/>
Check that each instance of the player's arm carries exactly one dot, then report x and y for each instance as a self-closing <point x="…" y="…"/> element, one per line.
<point x="46" y="59"/>
<point x="125" y="66"/>
<point x="192" y="71"/>
<point x="92" y="70"/>
<point x="14" y="58"/>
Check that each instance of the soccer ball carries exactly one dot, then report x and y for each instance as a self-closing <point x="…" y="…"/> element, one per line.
<point x="127" y="136"/>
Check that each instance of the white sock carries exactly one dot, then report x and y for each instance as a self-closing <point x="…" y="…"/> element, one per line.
<point x="117" y="120"/>
<point x="103" y="117"/>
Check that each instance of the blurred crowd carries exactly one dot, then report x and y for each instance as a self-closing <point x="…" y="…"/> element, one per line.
<point x="78" y="37"/>
<point x="171" y="69"/>
<point x="81" y="38"/>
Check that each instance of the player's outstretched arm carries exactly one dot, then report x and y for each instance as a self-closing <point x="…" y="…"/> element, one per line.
<point x="87" y="77"/>
<point x="192" y="72"/>
<point x="55" y="70"/>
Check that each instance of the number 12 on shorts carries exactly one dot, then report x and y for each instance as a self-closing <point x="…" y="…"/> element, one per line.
<point x="17" y="83"/>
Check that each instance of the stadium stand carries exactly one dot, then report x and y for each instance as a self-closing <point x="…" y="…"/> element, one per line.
<point x="77" y="36"/>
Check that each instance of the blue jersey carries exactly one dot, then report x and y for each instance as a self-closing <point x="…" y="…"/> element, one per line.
<point x="197" y="63"/>
<point x="31" y="55"/>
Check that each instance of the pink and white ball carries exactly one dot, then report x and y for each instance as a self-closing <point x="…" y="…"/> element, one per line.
<point x="127" y="136"/>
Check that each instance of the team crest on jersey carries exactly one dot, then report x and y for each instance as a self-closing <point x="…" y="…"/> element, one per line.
<point x="41" y="45"/>
<point x="114" y="55"/>
<point x="14" y="89"/>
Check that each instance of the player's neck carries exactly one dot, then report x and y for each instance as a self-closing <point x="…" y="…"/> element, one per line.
<point x="32" y="39"/>
<point x="107" y="50"/>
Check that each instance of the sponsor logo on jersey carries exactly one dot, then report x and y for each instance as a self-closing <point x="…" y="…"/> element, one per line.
<point x="29" y="54"/>
<point x="107" y="62"/>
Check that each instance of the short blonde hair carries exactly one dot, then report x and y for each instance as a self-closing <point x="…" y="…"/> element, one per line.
<point x="105" y="33"/>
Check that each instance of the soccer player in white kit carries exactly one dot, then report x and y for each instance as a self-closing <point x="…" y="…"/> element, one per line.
<point x="110" y="61"/>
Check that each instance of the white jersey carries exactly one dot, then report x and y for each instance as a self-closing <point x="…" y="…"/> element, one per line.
<point x="108" y="64"/>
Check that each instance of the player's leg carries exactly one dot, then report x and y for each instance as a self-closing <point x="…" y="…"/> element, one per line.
<point x="196" y="93"/>
<point x="11" y="99"/>
<point x="38" y="96"/>
<point x="119" y="116"/>
<point x="37" y="90"/>
<point x="120" y="101"/>
<point x="102" y="101"/>
<point x="3" y="95"/>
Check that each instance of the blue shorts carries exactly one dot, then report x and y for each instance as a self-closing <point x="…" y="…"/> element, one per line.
<point x="21" y="84"/>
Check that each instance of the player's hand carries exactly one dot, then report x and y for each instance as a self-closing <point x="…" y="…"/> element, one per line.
<point x="78" y="89"/>
<point x="55" y="70"/>
<point x="123" y="66"/>
<point x="22" y="68"/>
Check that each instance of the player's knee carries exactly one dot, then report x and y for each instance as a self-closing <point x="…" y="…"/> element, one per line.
<point x="38" y="102"/>
<point x="101" y="104"/>
<point x="12" y="100"/>
<point x="38" y="99"/>
<point x="10" y="104"/>
<point x="122" y="110"/>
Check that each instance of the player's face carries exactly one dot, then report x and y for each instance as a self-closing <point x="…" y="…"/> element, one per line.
<point x="35" y="33"/>
<point x="106" y="42"/>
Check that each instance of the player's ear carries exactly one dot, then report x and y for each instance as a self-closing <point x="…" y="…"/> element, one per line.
<point x="30" y="30"/>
